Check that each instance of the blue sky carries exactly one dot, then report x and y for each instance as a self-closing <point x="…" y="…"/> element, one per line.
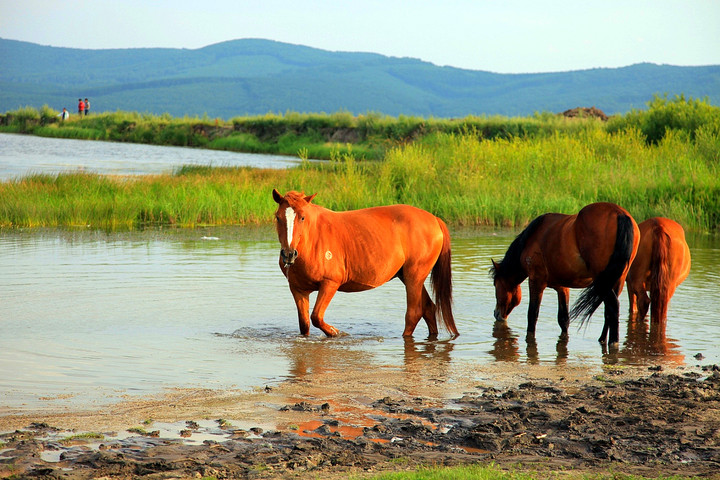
<point x="509" y="36"/>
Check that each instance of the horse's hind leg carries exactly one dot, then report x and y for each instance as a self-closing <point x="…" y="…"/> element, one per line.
<point x="612" y="320"/>
<point x="429" y="313"/>
<point x="643" y="304"/>
<point x="563" y="312"/>
<point x="414" y="292"/>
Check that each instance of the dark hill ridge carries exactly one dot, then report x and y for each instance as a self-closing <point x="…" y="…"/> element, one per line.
<point x="254" y="77"/>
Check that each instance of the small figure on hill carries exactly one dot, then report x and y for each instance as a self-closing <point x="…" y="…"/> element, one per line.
<point x="87" y="106"/>
<point x="64" y="115"/>
<point x="81" y="107"/>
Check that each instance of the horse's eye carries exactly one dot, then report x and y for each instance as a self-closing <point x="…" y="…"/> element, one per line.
<point x="302" y="219"/>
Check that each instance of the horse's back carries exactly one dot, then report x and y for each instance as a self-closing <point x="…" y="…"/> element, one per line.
<point x="597" y="226"/>
<point x="397" y="222"/>
<point x="377" y="243"/>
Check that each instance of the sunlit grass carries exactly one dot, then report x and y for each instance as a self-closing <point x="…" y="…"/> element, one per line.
<point x="463" y="179"/>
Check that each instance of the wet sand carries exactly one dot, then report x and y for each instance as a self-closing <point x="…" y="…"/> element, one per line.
<point x="328" y="423"/>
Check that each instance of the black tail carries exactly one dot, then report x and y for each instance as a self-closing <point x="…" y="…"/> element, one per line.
<point x="602" y="286"/>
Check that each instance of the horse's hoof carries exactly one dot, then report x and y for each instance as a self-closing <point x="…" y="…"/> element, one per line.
<point x="332" y="332"/>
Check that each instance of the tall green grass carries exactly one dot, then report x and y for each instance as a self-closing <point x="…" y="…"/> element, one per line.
<point x="470" y="171"/>
<point x="461" y="178"/>
<point x="509" y="182"/>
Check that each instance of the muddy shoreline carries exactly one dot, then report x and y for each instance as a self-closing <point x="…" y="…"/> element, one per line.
<point x="648" y="421"/>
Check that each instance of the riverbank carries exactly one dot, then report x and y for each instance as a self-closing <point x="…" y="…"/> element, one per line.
<point x="542" y="421"/>
<point x="661" y="162"/>
<point x="460" y="178"/>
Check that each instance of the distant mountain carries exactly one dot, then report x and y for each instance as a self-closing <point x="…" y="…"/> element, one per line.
<point x="252" y="76"/>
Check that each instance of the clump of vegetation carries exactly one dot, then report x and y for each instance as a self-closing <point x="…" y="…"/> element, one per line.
<point x="82" y="437"/>
<point x="685" y="116"/>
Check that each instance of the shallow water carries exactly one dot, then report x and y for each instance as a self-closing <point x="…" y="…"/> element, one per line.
<point x="89" y="318"/>
<point x="22" y="155"/>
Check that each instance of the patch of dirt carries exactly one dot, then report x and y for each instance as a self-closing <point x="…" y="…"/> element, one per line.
<point x="332" y="423"/>
<point x="585" y="112"/>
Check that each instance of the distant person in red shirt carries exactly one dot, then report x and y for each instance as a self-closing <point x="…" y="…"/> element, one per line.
<point x="81" y="107"/>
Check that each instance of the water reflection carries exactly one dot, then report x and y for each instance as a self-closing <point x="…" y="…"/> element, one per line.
<point x="646" y="342"/>
<point x="417" y="355"/>
<point x="506" y="347"/>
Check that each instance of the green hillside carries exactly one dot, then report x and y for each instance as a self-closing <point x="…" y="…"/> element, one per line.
<point x="252" y="76"/>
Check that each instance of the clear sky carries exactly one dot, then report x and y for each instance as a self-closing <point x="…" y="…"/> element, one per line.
<point x="504" y="36"/>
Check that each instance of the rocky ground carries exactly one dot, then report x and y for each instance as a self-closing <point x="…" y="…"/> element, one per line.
<point x="640" y="422"/>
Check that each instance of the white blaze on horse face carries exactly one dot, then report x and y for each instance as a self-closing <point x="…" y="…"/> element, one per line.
<point x="290" y="220"/>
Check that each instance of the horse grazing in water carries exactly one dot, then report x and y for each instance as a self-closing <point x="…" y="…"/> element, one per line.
<point x="592" y="249"/>
<point x="662" y="263"/>
<point x="357" y="250"/>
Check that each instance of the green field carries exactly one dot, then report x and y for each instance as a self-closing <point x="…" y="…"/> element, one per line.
<point x="477" y="171"/>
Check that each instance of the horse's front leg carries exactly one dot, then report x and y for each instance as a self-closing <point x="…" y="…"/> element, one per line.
<point x="302" y="302"/>
<point x="536" y="294"/>
<point x="325" y="294"/>
<point x="563" y="312"/>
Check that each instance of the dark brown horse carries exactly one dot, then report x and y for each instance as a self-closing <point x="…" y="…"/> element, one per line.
<point x="592" y="249"/>
<point x="327" y="251"/>
<point x="662" y="263"/>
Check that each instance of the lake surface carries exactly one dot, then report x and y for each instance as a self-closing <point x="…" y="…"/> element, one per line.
<point x="89" y="318"/>
<point x="21" y="155"/>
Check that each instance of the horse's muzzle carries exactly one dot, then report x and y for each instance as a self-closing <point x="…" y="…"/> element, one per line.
<point x="288" y="258"/>
<point x="499" y="317"/>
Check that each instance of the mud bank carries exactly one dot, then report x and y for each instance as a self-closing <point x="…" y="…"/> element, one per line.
<point x="648" y="423"/>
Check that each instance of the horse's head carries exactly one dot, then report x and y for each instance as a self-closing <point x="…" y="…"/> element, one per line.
<point x="507" y="294"/>
<point x="290" y="222"/>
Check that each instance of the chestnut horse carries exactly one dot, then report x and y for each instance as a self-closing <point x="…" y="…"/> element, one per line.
<point x="592" y="249"/>
<point x="326" y="251"/>
<point x="662" y="263"/>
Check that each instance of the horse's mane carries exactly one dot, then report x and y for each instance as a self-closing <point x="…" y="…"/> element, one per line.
<point x="510" y="264"/>
<point x="294" y="198"/>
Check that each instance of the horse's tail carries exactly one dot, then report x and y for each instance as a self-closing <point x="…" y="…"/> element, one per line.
<point x="441" y="278"/>
<point x="659" y="273"/>
<point x="602" y="286"/>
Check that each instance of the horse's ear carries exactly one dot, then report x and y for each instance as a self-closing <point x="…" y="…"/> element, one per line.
<point x="310" y="197"/>
<point x="276" y="196"/>
<point x="495" y="265"/>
